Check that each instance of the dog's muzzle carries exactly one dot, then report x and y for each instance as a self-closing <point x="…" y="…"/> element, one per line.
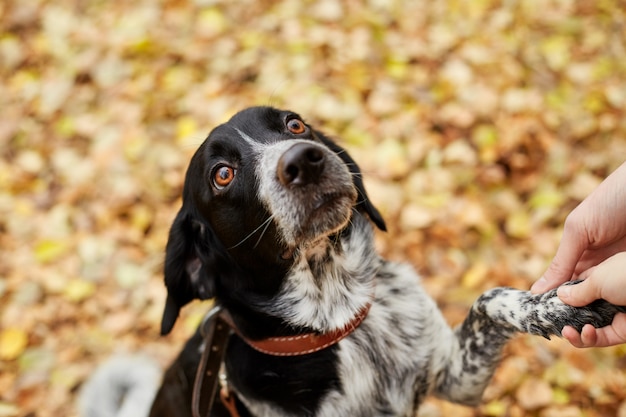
<point x="309" y="191"/>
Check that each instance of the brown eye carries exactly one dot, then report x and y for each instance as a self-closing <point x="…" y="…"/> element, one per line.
<point x="223" y="176"/>
<point x="296" y="126"/>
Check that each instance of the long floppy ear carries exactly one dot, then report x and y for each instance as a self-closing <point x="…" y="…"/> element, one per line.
<point x="364" y="202"/>
<point x="189" y="262"/>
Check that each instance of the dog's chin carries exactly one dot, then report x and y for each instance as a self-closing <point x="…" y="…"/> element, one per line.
<point x="321" y="220"/>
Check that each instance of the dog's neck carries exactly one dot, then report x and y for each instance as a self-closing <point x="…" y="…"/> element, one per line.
<point x="331" y="281"/>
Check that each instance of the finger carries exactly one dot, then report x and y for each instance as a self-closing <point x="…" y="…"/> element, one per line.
<point x="589" y="336"/>
<point x="562" y="266"/>
<point x="614" y="334"/>
<point x="580" y="294"/>
<point x="572" y="336"/>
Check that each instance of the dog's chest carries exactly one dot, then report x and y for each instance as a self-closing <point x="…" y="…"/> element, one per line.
<point x="385" y="367"/>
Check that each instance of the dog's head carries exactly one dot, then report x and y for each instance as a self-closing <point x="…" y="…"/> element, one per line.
<point x="261" y="187"/>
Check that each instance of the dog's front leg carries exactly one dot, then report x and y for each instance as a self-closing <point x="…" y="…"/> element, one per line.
<point x="494" y="318"/>
<point x="467" y="364"/>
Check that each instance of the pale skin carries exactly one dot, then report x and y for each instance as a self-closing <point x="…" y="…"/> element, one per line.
<point x="593" y="248"/>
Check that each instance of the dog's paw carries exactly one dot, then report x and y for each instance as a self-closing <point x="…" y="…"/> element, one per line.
<point x="540" y="314"/>
<point x="553" y="314"/>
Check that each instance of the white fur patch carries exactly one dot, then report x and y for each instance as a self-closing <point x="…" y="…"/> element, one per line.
<point x="124" y="386"/>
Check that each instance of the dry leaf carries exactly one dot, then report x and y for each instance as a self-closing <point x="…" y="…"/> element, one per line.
<point x="8" y="409"/>
<point x="77" y="290"/>
<point x="533" y="394"/>
<point x="475" y="276"/>
<point x="13" y="341"/>
<point x="518" y="224"/>
<point x="477" y="126"/>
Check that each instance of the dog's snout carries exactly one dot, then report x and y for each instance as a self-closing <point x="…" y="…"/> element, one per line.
<point x="301" y="164"/>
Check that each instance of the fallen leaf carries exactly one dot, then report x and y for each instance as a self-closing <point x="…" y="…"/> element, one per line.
<point x="533" y="394"/>
<point x="518" y="224"/>
<point x="475" y="275"/>
<point x="77" y="290"/>
<point x="13" y="341"/>
<point x="8" y="409"/>
<point x="49" y="250"/>
<point x="494" y="408"/>
<point x="477" y="126"/>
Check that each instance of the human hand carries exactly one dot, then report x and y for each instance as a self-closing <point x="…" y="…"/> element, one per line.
<point x="605" y="281"/>
<point x="593" y="231"/>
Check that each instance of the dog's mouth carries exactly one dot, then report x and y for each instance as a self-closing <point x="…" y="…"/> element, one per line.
<point x="331" y="201"/>
<point x="329" y="212"/>
<point x="325" y="216"/>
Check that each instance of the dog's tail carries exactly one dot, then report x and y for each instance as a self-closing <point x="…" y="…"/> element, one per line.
<point x="123" y="386"/>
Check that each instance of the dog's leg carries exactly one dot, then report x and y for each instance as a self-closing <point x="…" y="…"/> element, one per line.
<point x="494" y="318"/>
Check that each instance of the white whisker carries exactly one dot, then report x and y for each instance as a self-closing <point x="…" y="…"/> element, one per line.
<point x="267" y="224"/>
<point x="264" y="224"/>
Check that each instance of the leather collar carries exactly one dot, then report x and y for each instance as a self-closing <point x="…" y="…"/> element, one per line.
<point x="302" y="344"/>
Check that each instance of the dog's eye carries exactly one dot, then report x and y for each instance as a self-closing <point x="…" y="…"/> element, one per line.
<point x="296" y="126"/>
<point x="223" y="176"/>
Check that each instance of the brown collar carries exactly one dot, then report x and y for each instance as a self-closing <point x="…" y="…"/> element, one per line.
<point x="305" y="343"/>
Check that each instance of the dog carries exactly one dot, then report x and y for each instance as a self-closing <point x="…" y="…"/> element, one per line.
<point x="276" y="226"/>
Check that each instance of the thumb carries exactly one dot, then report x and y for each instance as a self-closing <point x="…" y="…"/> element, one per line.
<point x="580" y="294"/>
<point x="562" y="266"/>
<point x="559" y="271"/>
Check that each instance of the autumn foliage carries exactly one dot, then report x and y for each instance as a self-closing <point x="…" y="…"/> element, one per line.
<point x="478" y="125"/>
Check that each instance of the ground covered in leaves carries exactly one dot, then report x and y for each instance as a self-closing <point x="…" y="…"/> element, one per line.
<point x="478" y="124"/>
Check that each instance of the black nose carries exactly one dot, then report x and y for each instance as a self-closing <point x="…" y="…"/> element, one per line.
<point x="301" y="164"/>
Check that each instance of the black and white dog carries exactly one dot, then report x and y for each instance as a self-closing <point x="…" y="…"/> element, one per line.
<point x="276" y="226"/>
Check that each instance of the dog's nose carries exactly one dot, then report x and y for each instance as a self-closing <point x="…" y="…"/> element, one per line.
<point x="301" y="164"/>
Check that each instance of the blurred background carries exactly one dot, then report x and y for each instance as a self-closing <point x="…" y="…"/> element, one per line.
<point x="479" y="125"/>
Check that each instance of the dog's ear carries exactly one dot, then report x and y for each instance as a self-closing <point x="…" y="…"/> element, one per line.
<point x="189" y="262"/>
<point x="364" y="202"/>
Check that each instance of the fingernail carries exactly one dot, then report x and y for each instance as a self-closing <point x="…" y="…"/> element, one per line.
<point x="564" y="292"/>
<point x="539" y="286"/>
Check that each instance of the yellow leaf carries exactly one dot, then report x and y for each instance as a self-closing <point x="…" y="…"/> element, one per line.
<point x="48" y="250"/>
<point x="12" y="343"/>
<point x="141" y="217"/>
<point x="78" y="289"/>
<point x="495" y="408"/>
<point x="185" y="127"/>
<point x="518" y="225"/>
<point x="65" y="126"/>
<point x="486" y="138"/>
<point x="556" y="51"/>
<point x="212" y="22"/>
<point x="397" y="67"/>
<point x="142" y="46"/>
<point x="475" y="275"/>
<point x="547" y="197"/>
<point x="560" y="396"/>
<point x="595" y="103"/>
<point x="8" y="409"/>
